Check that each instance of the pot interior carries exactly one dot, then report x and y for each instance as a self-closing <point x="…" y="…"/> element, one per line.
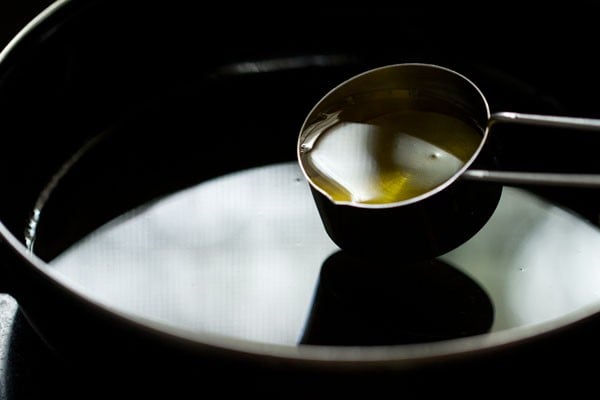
<point x="154" y="169"/>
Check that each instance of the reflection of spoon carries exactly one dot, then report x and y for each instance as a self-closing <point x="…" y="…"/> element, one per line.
<point x="365" y="302"/>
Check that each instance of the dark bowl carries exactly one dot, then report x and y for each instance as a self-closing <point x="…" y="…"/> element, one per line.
<point x="149" y="98"/>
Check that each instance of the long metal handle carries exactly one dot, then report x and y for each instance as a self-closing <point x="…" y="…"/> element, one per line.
<point x="533" y="178"/>
<point x="539" y="178"/>
<point x="589" y="124"/>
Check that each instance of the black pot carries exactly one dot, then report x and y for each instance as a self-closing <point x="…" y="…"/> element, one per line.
<point x="180" y="95"/>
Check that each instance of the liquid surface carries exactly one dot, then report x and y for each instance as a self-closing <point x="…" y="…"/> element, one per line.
<point x="388" y="158"/>
<point x="245" y="256"/>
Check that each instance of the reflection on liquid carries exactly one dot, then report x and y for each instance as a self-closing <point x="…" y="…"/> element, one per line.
<point x="369" y="152"/>
<point x="537" y="261"/>
<point x="245" y="255"/>
<point x="238" y="255"/>
<point x="384" y="302"/>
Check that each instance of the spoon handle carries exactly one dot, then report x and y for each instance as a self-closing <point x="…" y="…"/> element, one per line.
<point x="545" y="120"/>
<point x="534" y="178"/>
<point x="539" y="178"/>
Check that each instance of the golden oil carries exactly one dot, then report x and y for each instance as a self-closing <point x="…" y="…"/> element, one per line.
<point x="386" y="147"/>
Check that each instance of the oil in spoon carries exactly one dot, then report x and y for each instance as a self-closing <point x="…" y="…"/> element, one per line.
<point x="358" y="157"/>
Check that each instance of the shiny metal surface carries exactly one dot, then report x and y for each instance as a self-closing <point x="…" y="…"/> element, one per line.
<point x="533" y="178"/>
